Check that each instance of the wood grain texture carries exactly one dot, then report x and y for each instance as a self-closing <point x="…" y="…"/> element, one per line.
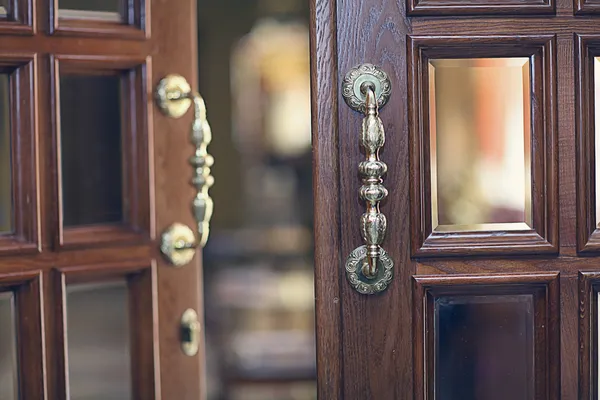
<point x="136" y="17"/>
<point x="164" y="193"/>
<point x="376" y="330"/>
<point x="326" y="191"/>
<point x="141" y="282"/>
<point x="22" y="69"/>
<point x="544" y="287"/>
<point x="543" y="237"/>
<point x="588" y="285"/>
<point x="135" y="84"/>
<point x="478" y="7"/>
<point x="588" y="234"/>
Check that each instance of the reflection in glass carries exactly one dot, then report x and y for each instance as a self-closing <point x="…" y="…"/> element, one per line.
<point x="597" y="134"/>
<point x="91" y="162"/>
<point x="8" y="348"/>
<point x="480" y="133"/>
<point x="107" y="10"/>
<point x="484" y="347"/>
<point x="98" y="341"/>
<point x="4" y="4"/>
<point x="6" y="193"/>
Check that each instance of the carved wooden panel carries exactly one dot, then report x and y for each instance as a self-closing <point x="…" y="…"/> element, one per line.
<point x="130" y="21"/>
<point x="21" y="69"/>
<point x="589" y="290"/>
<point x="135" y="180"/>
<point x="479" y="7"/>
<point x="16" y="17"/>
<point x="588" y="232"/>
<point x="486" y="336"/>
<point x="539" y="234"/>
<point x="143" y="319"/>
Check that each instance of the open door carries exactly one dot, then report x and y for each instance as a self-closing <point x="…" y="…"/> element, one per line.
<point x="91" y="174"/>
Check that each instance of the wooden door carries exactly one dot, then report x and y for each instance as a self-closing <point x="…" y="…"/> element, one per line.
<point x="91" y="174"/>
<point x="495" y="287"/>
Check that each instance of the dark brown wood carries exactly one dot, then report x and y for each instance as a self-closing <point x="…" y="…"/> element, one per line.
<point x="588" y="334"/>
<point x="328" y="258"/>
<point x="136" y="16"/>
<point x="544" y="287"/>
<point x="134" y="115"/>
<point x="373" y="330"/>
<point x="543" y="236"/>
<point x="158" y="186"/>
<point x="143" y="304"/>
<point x="477" y="7"/>
<point x="22" y="69"/>
<point x="26" y="287"/>
<point x="20" y="18"/>
<point x="588" y="234"/>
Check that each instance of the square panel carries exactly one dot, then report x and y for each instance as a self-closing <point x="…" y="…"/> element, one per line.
<point x="479" y="7"/>
<point x="9" y="369"/>
<point x="107" y="329"/>
<point x="589" y="331"/>
<point x="19" y="213"/>
<point x="116" y="18"/>
<point x="22" y="348"/>
<point x="489" y="337"/>
<point x="483" y="153"/>
<point x="588" y="143"/>
<point x="16" y="17"/>
<point x="101" y="135"/>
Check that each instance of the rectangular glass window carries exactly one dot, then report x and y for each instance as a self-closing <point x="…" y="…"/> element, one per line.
<point x="91" y="143"/>
<point x="6" y="192"/>
<point x="98" y="335"/>
<point x="484" y="347"/>
<point x="480" y="150"/>
<point x="107" y="10"/>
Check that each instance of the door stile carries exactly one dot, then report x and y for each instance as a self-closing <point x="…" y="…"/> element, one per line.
<point x="329" y="277"/>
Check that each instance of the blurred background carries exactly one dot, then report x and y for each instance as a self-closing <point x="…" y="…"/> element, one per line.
<point x="258" y="263"/>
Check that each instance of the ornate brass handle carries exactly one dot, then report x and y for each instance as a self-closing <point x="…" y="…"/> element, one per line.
<point x="174" y="97"/>
<point x="369" y="268"/>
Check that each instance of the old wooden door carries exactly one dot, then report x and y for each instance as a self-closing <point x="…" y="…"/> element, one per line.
<point x="91" y="174"/>
<point x="492" y="212"/>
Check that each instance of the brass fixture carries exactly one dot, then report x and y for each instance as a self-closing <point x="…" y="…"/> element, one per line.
<point x="190" y="332"/>
<point x="174" y="97"/>
<point x="365" y="89"/>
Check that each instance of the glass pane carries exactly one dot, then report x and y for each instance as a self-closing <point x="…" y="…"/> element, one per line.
<point x="6" y="193"/>
<point x="597" y="131"/>
<point x="91" y="162"/>
<point x="98" y="341"/>
<point x="484" y="347"/>
<point x="480" y="132"/>
<point x="8" y="348"/>
<point x="4" y="4"/>
<point x="111" y="10"/>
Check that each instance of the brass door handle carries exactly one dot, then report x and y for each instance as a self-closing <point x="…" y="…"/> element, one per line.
<point x="174" y="97"/>
<point x="369" y="268"/>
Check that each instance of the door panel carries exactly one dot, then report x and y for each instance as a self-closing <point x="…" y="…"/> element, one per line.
<point x="464" y="301"/>
<point x="96" y="175"/>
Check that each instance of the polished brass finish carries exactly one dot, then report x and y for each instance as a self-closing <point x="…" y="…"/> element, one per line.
<point x="369" y="268"/>
<point x="190" y="332"/>
<point x="178" y="244"/>
<point x="352" y="86"/>
<point x="356" y="267"/>
<point x="174" y="97"/>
